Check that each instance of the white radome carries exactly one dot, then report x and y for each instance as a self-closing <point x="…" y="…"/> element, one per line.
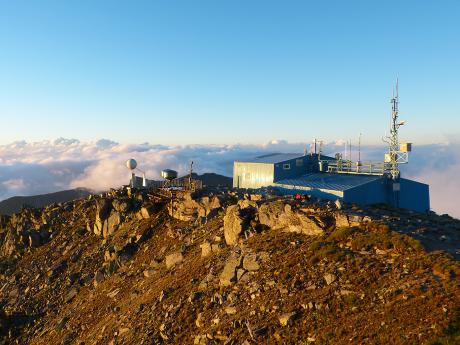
<point x="131" y="164"/>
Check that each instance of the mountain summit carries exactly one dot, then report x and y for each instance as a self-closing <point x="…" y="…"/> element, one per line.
<point x="223" y="267"/>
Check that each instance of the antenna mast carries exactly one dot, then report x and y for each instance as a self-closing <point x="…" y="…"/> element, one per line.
<point x="393" y="149"/>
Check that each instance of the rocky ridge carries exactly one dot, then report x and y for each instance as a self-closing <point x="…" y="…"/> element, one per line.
<point x="220" y="267"/>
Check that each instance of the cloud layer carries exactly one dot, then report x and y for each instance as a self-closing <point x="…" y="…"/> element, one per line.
<point x="47" y="166"/>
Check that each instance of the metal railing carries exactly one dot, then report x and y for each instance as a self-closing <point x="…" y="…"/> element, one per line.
<point x="180" y="183"/>
<point x="353" y="167"/>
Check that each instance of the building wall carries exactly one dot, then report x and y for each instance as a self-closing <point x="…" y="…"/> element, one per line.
<point x="373" y="192"/>
<point x="252" y="175"/>
<point x="308" y="164"/>
<point x="414" y="195"/>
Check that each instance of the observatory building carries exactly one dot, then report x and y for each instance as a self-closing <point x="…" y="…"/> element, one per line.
<point x="336" y="178"/>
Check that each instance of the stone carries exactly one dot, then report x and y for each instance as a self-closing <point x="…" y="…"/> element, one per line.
<point x="228" y="275"/>
<point x="34" y="239"/>
<point x="206" y="249"/>
<point x="230" y="310"/>
<point x="329" y="278"/>
<point x="173" y="259"/>
<point x="341" y="220"/>
<point x="233" y="225"/>
<point x="98" y="278"/>
<point x="149" y="273"/>
<point x="250" y="263"/>
<point x="112" y="224"/>
<point x="71" y="295"/>
<point x="240" y="273"/>
<point x="338" y="204"/>
<point x="148" y="211"/>
<point x="278" y="215"/>
<point x="287" y="319"/>
<point x="195" y="296"/>
<point x="120" y="205"/>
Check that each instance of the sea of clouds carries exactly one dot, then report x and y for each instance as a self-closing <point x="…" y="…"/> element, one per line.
<point x="29" y="168"/>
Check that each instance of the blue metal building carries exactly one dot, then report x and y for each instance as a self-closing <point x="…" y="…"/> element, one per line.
<point x="265" y="170"/>
<point x="296" y="173"/>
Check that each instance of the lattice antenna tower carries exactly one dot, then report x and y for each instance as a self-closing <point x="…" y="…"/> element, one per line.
<point x="395" y="156"/>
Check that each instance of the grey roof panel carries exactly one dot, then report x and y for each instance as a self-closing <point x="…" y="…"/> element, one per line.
<point x="273" y="158"/>
<point x="328" y="181"/>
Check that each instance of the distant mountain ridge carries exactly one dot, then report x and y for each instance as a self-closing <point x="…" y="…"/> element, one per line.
<point x="16" y="203"/>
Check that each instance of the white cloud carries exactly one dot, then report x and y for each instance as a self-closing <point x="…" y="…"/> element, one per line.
<point x="47" y="166"/>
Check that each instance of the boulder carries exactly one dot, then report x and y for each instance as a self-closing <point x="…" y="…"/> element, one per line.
<point x="173" y="259"/>
<point x="287" y="319"/>
<point x="206" y="249"/>
<point x="250" y="263"/>
<point x="233" y="224"/>
<point x="329" y="278"/>
<point x="228" y="275"/>
<point x="278" y="215"/>
<point x="112" y="224"/>
<point x="120" y="205"/>
<point x="148" y="211"/>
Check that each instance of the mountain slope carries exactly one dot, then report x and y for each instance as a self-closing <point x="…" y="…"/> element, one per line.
<point x="16" y="203"/>
<point x="214" y="268"/>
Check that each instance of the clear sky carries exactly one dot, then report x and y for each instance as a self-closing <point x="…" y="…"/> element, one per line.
<point x="177" y="72"/>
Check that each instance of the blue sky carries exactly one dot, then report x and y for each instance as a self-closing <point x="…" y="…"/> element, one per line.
<point x="182" y="72"/>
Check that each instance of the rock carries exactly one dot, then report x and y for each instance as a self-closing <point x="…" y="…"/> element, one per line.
<point x="250" y="262"/>
<point x="120" y="205"/>
<point x="149" y="273"/>
<point x="233" y="225"/>
<point x="103" y="207"/>
<point x="206" y="249"/>
<point x="173" y="259"/>
<point x="329" y="278"/>
<point x="287" y="319"/>
<point x="230" y="310"/>
<point x="341" y="220"/>
<point x="240" y="274"/>
<point x="98" y="278"/>
<point x="278" y="215"/>
<point x="148" y="211"/>
<point x="195" y="296"/>
<point x="198" y="320"/>
<point x="247" y="204"/>
<point x="338" y="204"/>
<point x="112" y="224"/>
<point x="71" y="295"/>
<point x="228" y="275"/>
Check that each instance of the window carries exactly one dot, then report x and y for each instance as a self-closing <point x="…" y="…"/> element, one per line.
<point x="286" y="166"/>
<point x="299" y="162"/>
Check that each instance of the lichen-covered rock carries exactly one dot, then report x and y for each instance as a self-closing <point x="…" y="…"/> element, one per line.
<point x="233" y="224"/>
<point x="229" y="273"/>
<point x="278" y="215"/>
<point x="173" y="259"/>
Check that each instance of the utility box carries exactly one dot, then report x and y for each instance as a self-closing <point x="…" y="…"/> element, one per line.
<point x="387" y="158"/>
<point x="405" y="147"/>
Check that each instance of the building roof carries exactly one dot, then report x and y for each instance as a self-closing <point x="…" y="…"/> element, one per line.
<point x="273" y="158"/>
<point x="340" y="182"/>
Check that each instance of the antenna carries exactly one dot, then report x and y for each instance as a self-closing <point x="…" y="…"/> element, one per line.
<point x="190" y="176"/>
<point x="359" y="148"/>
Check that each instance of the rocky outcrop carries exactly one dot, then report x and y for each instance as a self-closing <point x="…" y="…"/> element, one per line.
<point x="233" y="224"/>
<point x="188" y="207"/>
<point x="279" y="215"/>
<point x="107" y="217"/>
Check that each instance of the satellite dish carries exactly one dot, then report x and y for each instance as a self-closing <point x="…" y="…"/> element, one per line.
<point x="131" y="164"/>
<point x="169" y="174"/>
